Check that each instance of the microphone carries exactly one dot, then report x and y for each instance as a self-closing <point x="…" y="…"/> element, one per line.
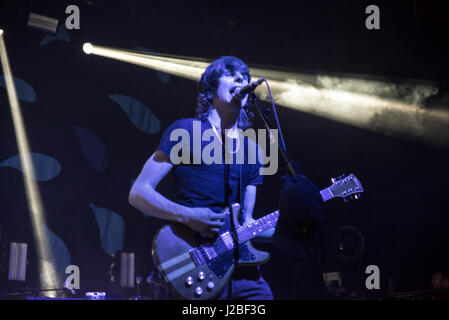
<point x="241" y="92"/>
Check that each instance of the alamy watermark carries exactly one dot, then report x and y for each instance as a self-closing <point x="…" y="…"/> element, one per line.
<point x="373" y="20"/>
<point x="73" y="20"/>
<point x="73" y="280"/>
<point x="373" y="280"/>
<point x="212" y="153"/>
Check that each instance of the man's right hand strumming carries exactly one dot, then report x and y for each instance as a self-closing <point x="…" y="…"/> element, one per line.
<point x="205" y="221"/>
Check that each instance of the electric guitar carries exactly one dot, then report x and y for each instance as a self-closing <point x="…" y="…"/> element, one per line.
<point x="198" y="268"/>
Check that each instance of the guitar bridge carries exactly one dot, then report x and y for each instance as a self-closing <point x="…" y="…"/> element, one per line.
<point x="228" y="241"/>
<point x="201" y="254"/>
<point x="196" y="256"/>
<point x="210" y="252"/>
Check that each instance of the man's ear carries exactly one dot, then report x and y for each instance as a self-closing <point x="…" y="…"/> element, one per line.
<point x="211" y="95"/>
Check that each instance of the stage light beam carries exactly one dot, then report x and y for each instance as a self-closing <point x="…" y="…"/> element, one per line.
<point x="31" y="189"/>
<point x="377" y="105"/>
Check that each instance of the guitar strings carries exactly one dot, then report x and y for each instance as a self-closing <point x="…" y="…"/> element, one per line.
<point x="244" y="233"/>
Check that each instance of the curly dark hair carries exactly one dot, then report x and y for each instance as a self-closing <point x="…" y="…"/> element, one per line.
<point x="208" y="85"/>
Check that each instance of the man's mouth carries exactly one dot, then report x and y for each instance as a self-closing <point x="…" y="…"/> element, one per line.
<point x="233" y="89"/>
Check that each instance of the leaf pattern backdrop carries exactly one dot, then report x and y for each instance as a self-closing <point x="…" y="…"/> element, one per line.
<point x="101" y="145"/>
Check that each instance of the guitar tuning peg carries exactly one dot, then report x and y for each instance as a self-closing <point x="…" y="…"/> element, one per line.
<point x="333" y="180"/>
<point x="357" y="196"/>
<point x="345" y="200"/>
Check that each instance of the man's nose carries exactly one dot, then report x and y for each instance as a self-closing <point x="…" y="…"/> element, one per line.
<point x="241" y="80"/>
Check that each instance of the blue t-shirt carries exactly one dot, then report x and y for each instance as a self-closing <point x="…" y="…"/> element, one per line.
<point x="201" y="184"/>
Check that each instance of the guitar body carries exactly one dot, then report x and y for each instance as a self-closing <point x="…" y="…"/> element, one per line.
<point x="199" y="268"/>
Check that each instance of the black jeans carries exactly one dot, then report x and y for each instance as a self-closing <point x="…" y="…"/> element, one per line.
<point x="247" y="283"/>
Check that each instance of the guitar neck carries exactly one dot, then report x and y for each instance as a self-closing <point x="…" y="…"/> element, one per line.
<point x="249" y="231"/>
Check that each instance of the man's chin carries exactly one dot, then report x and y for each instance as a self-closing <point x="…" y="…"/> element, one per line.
<point x="236" y="106"/>
<point x="236" y="103"/>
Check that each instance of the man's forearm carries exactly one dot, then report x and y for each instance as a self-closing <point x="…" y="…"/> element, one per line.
<point x="152" y="203"/>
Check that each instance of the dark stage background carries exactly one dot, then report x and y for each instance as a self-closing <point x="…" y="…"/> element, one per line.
<point x="75" y="111"/>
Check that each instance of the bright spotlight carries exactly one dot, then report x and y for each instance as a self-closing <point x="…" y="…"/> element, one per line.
<point x="87" y="48"/>
<point x="31" y="188"/>
<point x="377" y="105"/>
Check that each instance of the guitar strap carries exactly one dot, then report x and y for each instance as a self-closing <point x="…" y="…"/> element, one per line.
<point x="240" y="193"/>
<point x="227" y="188"/>
<point x="226" y="196"/>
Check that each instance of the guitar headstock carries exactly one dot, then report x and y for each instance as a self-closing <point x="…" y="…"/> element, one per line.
<point x="346" y="187"/>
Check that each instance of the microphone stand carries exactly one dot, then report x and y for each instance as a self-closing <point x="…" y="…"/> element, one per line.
<point x="293" y="174"/>
<point x="267" y="125"/>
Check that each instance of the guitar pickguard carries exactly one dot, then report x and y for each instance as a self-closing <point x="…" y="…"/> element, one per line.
<point x="219" y="256"/>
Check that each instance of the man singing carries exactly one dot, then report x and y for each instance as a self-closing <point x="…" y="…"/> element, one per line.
<point x="204" y="189"/>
